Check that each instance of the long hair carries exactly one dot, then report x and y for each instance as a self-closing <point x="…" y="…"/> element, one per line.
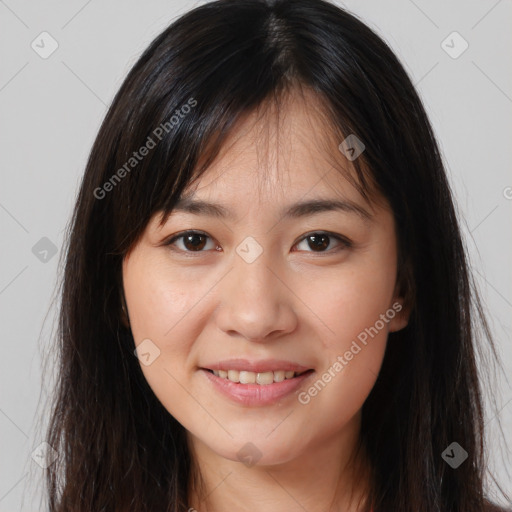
<point x="119" y="448"/>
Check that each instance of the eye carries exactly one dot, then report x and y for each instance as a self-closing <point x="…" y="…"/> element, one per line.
<point x="320" y="240"/>
<point x="195" y="241"/>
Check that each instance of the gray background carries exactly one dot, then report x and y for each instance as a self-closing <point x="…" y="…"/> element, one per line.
<point x="51" y="110"/>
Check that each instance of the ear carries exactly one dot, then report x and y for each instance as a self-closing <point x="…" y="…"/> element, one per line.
<point x="402" y="306"/>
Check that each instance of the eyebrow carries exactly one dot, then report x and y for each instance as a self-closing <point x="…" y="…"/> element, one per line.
<point x="297" y="210"/>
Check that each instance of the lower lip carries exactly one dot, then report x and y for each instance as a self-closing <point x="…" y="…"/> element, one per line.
<point x="256" y="394"/>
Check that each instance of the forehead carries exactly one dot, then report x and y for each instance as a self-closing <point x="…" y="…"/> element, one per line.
<point x="282" y="149"/>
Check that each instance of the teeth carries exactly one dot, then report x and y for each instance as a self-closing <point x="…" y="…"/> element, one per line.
<point x="279" y="376"/>
<point x="247" y="377"/>
<point x="234" y="375"/>
<point x="263" y="378"/>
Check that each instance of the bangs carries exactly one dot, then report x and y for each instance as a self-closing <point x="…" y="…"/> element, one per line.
<point x="272" y="111"/>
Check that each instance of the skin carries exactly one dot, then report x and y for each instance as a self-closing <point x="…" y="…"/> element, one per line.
<point x="293" y="303"/>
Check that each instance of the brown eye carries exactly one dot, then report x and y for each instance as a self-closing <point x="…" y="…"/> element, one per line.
<point x="319" y="242"/>
<point x="192" y="241"/>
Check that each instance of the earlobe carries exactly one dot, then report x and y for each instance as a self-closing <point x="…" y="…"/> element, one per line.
<point x="398" y="323"/>
<point x="402" y="312"/>
<point x="403" y="298"/>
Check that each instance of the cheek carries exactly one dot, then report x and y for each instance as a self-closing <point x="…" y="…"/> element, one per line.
<point x="354" y="309"/>
<point x="351" y="361"/>
<point x="161" y="305"/>
<point x="158" y="300"/>
<point x="353" y="298"/>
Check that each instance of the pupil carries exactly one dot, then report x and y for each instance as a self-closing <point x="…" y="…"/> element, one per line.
<point x="316" y="239"/>
<point x="194" y="236"/>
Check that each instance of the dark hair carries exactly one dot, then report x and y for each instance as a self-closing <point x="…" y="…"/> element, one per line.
<point x="119" y="447"/>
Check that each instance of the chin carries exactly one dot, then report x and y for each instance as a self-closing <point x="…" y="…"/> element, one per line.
<point x="258" y="451"/>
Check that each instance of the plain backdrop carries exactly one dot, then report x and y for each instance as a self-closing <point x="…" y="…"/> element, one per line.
<point x="51" y="109"/>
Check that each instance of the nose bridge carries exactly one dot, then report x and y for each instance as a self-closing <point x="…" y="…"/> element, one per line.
<point x="252" y="281"/>
<point x="254" y="301"/>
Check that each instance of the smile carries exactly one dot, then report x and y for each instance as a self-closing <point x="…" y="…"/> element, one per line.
<point x="254" y="389"/>
<point x="261" y="378"/>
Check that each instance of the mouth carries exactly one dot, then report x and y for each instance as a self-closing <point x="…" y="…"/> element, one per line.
<point x="253" y="384"/>
<point x="260" y="378"/>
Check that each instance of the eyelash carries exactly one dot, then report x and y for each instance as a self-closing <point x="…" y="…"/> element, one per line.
<point x="345" y="242"/>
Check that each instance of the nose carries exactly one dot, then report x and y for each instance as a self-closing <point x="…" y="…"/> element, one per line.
<point x="256" y="302"/>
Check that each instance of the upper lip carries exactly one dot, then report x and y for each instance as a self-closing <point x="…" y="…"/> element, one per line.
<point x="266" y="365"/>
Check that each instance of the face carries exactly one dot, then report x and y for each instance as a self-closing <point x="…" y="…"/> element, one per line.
<point x="294" y="301"/>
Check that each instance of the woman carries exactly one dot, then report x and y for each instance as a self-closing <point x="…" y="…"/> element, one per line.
<point x="266" y="300"/>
